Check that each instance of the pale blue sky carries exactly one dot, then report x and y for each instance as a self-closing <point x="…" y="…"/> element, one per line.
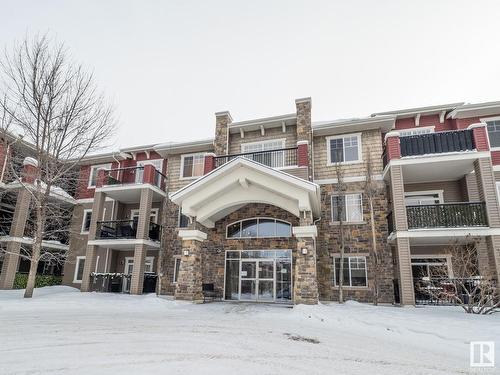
<point x="169" y="65"/>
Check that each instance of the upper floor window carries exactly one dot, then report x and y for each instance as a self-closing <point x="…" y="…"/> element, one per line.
<point x="87" y="217"/>
<point x="348" y="208"/>
<point x="139" y="174"/>
<point x="259" y="228"/>
<point x="416" y="131"/>
<point x="273" y="159"/>
<point x="494" y="131"/>
<point x="182" y="220"/>
<point x="134" y="215"/>
<point x="344" y="148"/>
<point x="94" y="171"/>
<point x="422" y="198"/>
<point x="192" y="165"/>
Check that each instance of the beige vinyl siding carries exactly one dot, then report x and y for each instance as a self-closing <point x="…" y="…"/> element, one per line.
<point x="452" y="190"/>
<point x="290" y="136"/>
<point x="371" y="143"/>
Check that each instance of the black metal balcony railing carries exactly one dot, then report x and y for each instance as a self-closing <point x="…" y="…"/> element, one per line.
<point x="123" y="229"/>
<point x="132" y="175"/>
<point x="447" y="215"/>
<point x="436" y="143"/>
<point x="444" y="291"/>
<point x="280" y="158"/>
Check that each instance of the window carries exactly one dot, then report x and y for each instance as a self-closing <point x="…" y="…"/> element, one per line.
<point x="416" y="131"/>
<point x="94" y="171"/>
<point x="87" y="217"/>
<point x="344" y="149"/>
<point x="354" y="271"/>
<point x="429" y="267"/>
<point x="192" y="165"/>
<point x="258" y="228"/>
<point x="177" y="267"/>
<point x="271" y="159"/>
<point x="493" y="126"/>
<point x="139" y="174"/>
<point x="422" y="198"/>
<point x="182" y="220"/>
<point x="80" y="264"/>
<point x="350" y="207"/>
<point x="134" y="215"/>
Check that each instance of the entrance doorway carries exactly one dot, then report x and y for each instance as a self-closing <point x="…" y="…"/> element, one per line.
<point x="259" y="275"/>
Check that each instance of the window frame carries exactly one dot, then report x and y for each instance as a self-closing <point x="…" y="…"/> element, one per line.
<point x="337" y="258"/>
<point x="257" y="218"/>
<point x="418" y="131"/>
<point x="281" y="140"/>
<point x="135" y="212"/>
<point x="176" y="269"/>
<point x="439" y="193"/>
<point x="96" y="166"/>
<point x="75" y="274"/>
<point x="342" y="136"/>
<point x="485" y="120"/>
<point x="179" y="215"/>
<point x="345" y="208"/>
<point x="85" y="212"/>
<point x="183" y="157"/>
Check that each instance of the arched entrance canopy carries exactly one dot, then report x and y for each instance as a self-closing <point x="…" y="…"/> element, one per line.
<point x="242" y="181"/>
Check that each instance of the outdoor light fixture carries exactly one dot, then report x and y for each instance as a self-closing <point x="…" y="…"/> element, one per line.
<point x="185" y="252"/>
<point x="304" y="250"/>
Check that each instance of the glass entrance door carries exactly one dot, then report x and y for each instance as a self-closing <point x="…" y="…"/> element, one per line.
<point x="257" y="280"/>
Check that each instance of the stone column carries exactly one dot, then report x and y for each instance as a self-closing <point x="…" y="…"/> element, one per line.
<point x="222" y="121"/>
<point x="91" y="254"/>
<point x="305" y="285"/>
<point x="11" y="259"/>
<point x="487" y="192"/>
<point x="189" y="279"/>
<point x="406" y="289"/>
<point x="137" y="280"/>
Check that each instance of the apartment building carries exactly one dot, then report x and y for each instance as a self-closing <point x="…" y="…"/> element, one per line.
<point x="17" y="178"/>
<point x="255" y="213"/>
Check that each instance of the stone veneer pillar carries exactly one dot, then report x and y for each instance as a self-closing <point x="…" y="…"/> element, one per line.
<point x="305" y="280"/>
<point x="189" y="279"/>
<point x="140" y="251"/>
<point x="406" y="289"/>
<point x="11" y="259"/>
<point x="304" y="130"/>
<point x="91" y="253"/>
<point x="222" y="121"/>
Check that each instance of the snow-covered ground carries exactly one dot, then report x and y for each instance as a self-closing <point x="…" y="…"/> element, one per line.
<point x="63" y="331"/>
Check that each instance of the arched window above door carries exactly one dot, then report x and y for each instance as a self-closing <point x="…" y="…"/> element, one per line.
<point x="260" y="227"/>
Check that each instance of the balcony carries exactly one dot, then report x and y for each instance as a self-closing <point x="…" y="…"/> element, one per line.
<point x="447" y="215"/>
<point x="437" y="143"/>
<point x="124" y="229"/>
<point x="279" y="158"/>
<point x="126" y="184"/>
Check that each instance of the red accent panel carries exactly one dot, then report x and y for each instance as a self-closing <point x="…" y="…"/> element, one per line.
<point x="392" y="148"/>
<point x="481" y="139"/>
<point x="495" y="157"/>
<point x="29" y="173"/>
<point x="149" y="174"/>
<point x="209" y="163"/>
<point x="303" y="155"/>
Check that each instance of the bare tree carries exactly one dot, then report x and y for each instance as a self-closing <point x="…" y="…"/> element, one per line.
<point x="340" y="196"/>
<point x="475" y="293"/>
<point x="371" y="189"/>
<point x="54" y="104"/>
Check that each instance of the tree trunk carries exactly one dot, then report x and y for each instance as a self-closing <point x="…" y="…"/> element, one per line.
<point x="37" y="244"/>
<point x="341" y="269"/>
<point x="375" y="252"/>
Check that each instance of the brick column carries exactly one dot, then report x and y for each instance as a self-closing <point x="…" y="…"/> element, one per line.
<point x="11" y="259"/>
<point x="137" y="280"/>
<point x="303" y="154"/>
<point x="91" y="254"/>
<point x="149" y="174"/>
<point x="189" y="279"/>
<point x="222" y="121"/>
<point x="480" y="134"/>
<point x="486" y="186"/>
<point x="209" y="165"/>
<point x="305" y="285"/>
<point x="406" y="288"/>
